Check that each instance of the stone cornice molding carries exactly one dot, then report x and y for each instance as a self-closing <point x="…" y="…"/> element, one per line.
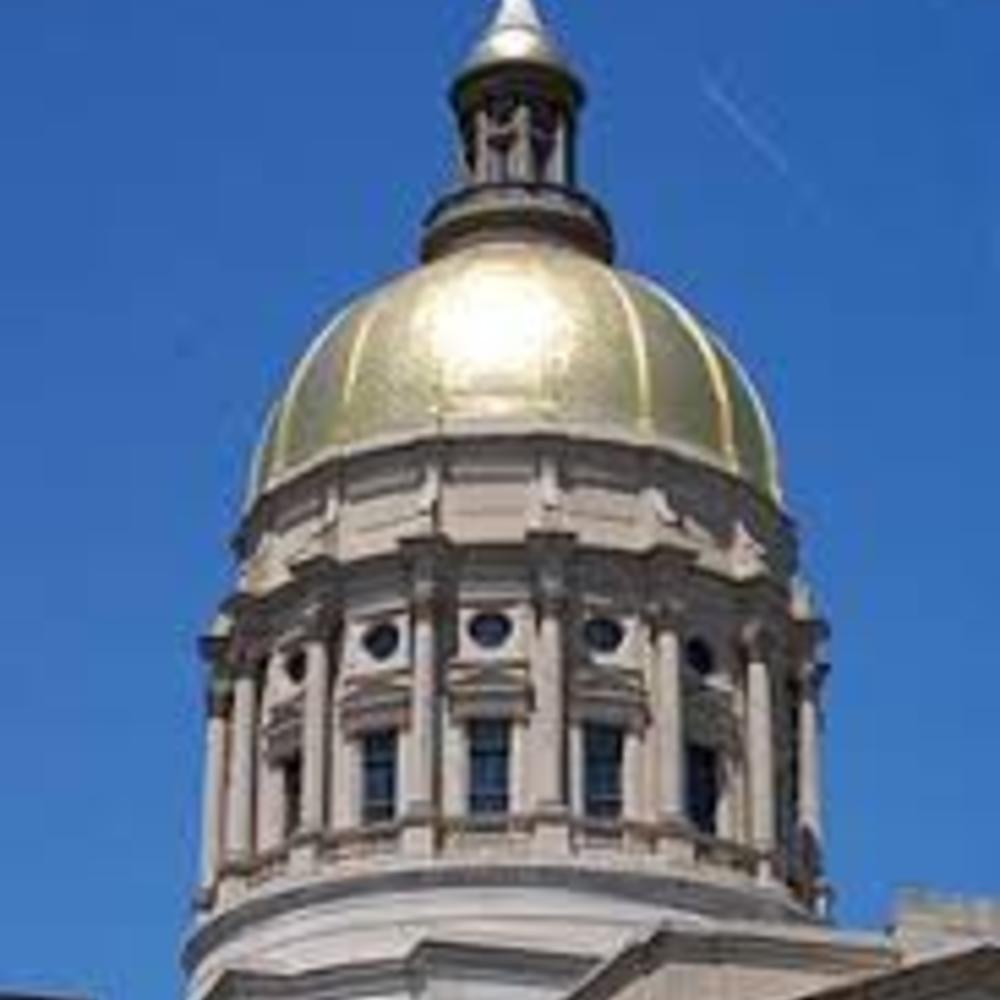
<point x="376" y="702"/>
<point x="661" y="890"/>
<point x="669" y="944"/>
<point x="491" y="690"/>
<point x="409" y="974"/>
<point x="609" y="694"/>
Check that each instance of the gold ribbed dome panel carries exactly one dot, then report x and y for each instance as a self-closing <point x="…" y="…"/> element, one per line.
<point x="519" y="335"/>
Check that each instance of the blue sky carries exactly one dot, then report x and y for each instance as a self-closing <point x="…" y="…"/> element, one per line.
<point x="186" y="189"/>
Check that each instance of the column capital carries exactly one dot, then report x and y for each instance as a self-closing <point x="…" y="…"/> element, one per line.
<point x="758" y="641"/>
<point x="424" y="556"/>
<point x="666" y="614"/>
<point x="809" y="634"/>
<point x="218" y="697"/>
<point x="814" y="675"/>
<point x="550" y="554"/>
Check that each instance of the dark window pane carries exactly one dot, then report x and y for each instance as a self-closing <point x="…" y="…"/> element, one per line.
<point x="292" y="778"/>
<point x="382" y="641"/>
<point x="296" y="668"/>
<point x="489" y="767"/>
<point x="378" y="761"/>
<point x="603" y="746"/>
<point x="700" y="657"/>
<point x="603" y="635"/>
<point x="490" y="630"/>
<point x="702" y="787"/>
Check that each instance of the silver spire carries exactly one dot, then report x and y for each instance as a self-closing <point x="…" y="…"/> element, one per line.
<point x="516" y="34"/>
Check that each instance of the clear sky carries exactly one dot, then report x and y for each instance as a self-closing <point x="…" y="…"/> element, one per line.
<point x="187" y="188"/>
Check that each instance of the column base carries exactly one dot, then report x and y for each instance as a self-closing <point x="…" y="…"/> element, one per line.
<point x="304" y="851"/>
<point x="418" y="836"/>
<point x="552" y="830"/>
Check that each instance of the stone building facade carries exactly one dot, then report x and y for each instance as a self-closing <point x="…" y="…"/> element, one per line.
<point x="518" y="691"/>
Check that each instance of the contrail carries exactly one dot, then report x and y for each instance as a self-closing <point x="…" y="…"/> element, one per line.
<point x="758" y="140"/>
<point x="740" y="121"/>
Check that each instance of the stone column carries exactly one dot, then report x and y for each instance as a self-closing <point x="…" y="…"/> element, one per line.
<point x="314" y="737"/>
<point x="810" y="818"/>
<point x="575" y="750"/>
<point x="214" y="787"/>
<point x="270" y="781"/>
<point x="422" y="743"/>
<point x="760" y="750"/>
<point x="666" y="691"/>
<point x="520" y="768"/>
<point x="456" y="766"/>
<point x="548" y="724"/>
<point x="634" y="776"/>
<point x="242" y="760"/>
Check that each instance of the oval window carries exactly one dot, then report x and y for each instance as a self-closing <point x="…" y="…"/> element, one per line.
<point x="603" y="635"/>
<point x="491" y="630"/>
<point x="295" y="668"/>
<point x="381" y="641"/>
<point x="700" y="657"/>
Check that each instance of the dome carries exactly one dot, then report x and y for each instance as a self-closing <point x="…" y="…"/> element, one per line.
<point x="519" y="337"/>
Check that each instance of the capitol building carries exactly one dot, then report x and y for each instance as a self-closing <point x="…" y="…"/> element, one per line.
<point x="518" y="690"/>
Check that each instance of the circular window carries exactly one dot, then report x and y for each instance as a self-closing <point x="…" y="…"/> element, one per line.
<point x="603" y="635"/>
<point x="381" y="641"/>
<point x="295" y="668"/>
<point x="490" y="629"/>
<point x="700" y="657"/>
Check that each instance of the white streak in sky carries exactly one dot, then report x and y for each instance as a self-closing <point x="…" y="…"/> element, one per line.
<point x="743" y="124"/>
<point x="759" y="141"/>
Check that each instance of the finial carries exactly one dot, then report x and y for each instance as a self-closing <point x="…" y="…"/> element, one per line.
<point x="517" y="13"/>
<point x="517" y="34"/>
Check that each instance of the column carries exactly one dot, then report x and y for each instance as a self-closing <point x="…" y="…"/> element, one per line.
<point x="634" y="776"/>
<point x="456" y="767"/>
<point x="338" y="748"/>
<point x="760" y="753"/>
<point x="214" y="787"/>
<point x="548" y="676"/>
<point x="239" y="821"/>
<point x="270" y="781"/>
<point x="314" y="737"/>
<point x="574" y="737"/>
<point x="668" y="738"/>
<point x="520" y="768"/>
<point x="421" y="744"/>
<point x="810" y="818"/>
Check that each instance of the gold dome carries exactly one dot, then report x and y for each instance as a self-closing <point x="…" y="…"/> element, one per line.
<point x="515" y="337"/>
